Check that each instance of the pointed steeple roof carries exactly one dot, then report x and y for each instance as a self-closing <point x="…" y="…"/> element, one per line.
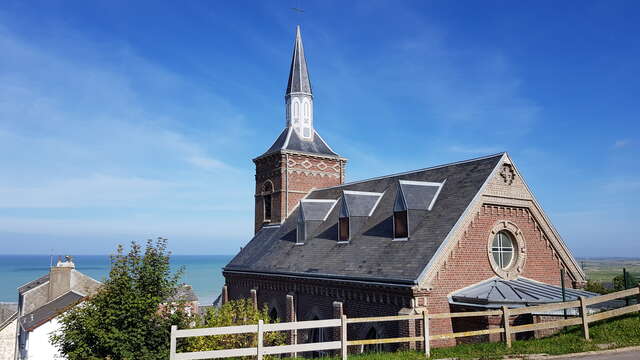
<point x="298" y="75"/>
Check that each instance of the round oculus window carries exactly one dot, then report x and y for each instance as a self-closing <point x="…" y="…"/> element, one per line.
<point x="503" y="250"/>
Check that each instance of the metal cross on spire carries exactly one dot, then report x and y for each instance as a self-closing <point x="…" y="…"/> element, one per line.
<point x="298" y="9"/>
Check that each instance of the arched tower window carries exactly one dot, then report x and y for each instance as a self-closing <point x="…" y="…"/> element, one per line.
<point x="306" y="119"/>
<point x="296" y="112"/>
<point x="267" y="191"/>
<point x="306" y="112"/>
<point x="288" y="114"/>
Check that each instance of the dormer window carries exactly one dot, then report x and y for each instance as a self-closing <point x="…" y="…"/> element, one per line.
<point x="267" y="191"/>
<point x="301" y="231"/>
<point x="401" y="224"/>
<point x="343" y="229"/>
<point x="355" y="204"/>
<point x="311" y="213"/>
<point x="412" y="196"/>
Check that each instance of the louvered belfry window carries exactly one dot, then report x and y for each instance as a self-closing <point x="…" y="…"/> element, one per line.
<point x="343" y="229"/>
<point x="267" y="190"/>
<point x="400" y="225"/>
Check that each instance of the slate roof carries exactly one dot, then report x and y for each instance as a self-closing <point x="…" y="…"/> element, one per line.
<point x="7" y="310"/>
<point x="417" y="195"/>
<point x="299" y="81"/>
<point x="371" y="255"/>
<point x="497" y="292"/>
<point x="33" y="284"/>
<point x="8" y="320"/>
<point x="290" y="140"/>
<point x="50" y="310"/>
<point x="184" y="293"/>
<point x="358" y="203"/>
<point x="316" y="210"/>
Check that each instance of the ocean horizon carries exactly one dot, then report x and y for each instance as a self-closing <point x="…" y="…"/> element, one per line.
<point x="203" y="272"/>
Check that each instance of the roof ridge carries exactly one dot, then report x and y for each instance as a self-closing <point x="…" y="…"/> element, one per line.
<point x="8" y="320"/>
<point x="33" y="281"/>
<point x="414" y="171"/>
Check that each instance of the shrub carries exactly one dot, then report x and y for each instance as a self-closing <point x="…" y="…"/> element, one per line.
<point x="234" y="312"/>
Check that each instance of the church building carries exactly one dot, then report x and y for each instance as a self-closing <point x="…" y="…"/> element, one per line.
<point x="467" y="235"/>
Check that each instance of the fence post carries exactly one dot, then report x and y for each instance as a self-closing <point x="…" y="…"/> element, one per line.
<point x="507" y="331"/>
<point x="625" y="278"/>
<point x="638" y="297"/>
<point x="260" y="338"/>
<point x="172" y="346"/>
<point x="343" y="336"/>
<point x="254" y="298"/>
<point x="585" y="318"/>
<point x="425" y="333"/>
<point x="291" y="318"/>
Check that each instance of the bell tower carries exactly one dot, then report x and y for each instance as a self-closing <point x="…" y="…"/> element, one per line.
<point x="299" y="160"/>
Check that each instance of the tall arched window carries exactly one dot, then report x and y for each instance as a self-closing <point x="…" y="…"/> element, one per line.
<point x="288" y="114"/>
<point x="318" y="335"/>
<point x="306" y="112"/>
<point x="296" y="111"/>
<point x="273" y="315"/>
<point x="267" y="190"/>
<point x="371" y="334"/>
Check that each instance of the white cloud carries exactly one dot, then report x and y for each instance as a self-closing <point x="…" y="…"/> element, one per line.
<point x="135" y="228"/>
<point x="94" y="191"/>
<point x="89" y="148"/>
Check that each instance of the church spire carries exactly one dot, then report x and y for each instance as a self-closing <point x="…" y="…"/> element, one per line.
<point x="298" y="74"/>
<point x="299" y="99"/>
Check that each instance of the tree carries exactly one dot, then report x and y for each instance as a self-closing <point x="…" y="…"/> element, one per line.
<point x="618" y="282"/>
<point x="234" y="312"/>
<point x="125" y="319"/>
<point x="596" y="287"/>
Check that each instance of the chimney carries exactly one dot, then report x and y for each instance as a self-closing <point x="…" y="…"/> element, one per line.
<point x="60" y="277"/>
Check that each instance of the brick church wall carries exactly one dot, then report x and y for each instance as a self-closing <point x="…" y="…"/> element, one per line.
<point x="469" y="261"/>
<point x="317" y="298"/>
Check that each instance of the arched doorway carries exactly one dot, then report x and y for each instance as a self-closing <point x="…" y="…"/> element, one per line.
<point x="318" y="335"/>
<point x="372" y="348"/>
<point x="273" y="315"/>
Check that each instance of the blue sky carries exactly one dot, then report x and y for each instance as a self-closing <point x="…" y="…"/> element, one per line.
<point x="125" y="120"/>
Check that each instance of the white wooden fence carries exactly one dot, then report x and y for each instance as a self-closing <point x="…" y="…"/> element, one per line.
<point x="260" y="350"/>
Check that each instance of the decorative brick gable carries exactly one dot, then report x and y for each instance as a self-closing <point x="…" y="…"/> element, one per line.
<point x="469" y="262"/>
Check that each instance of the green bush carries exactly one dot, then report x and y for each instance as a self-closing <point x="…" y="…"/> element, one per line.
<point x="235" y="312"/>
<point x="596" y="287"/>
<point x="618" y="282"/>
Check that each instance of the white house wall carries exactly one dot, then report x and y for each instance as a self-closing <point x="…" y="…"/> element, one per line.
<point x="8" y="341"/>
<point x="38" y="345"/>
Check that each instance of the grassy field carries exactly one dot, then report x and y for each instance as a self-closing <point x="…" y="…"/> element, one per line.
<point x="605" y="269"/>
<point x="620" y="332"/>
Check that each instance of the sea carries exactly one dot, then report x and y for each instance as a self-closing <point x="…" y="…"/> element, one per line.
<point x="202" y="272"/>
